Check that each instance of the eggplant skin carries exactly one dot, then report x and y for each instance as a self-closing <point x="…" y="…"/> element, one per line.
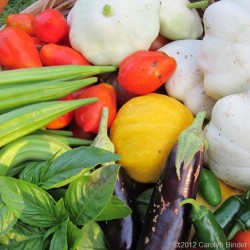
<point x="167" y="223"/>
<point x="124" y="233"/>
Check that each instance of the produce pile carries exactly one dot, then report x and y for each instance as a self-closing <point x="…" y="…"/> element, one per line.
<point x="124" y="126"/>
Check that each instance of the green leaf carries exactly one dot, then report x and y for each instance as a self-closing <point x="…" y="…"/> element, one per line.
<point x="23" y="237"/>
<point x="32" y="171"/>
<point x="142" y="202"/>
<point x="116" y="209"/>
<point x="72" y="164"/>
<point x="74" y="235"/>
<point x="59" y="238"/>
<point x="60" y="211"/>
<point x="28" y="202"/>
<point x="88" y="196"/>
<point x="7" y="218"/>
<point x="92" y="238"/>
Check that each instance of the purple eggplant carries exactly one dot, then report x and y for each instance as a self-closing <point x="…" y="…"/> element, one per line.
<point x="124" y="233"/>
<point x="167" y="225"/>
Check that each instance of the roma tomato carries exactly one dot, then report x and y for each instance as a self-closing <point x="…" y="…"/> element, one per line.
<point x="22" y="21"/>
<point x="143" y="72"/>
<point x="17" y="49"/>
<point x="64" y="120"/>
<point x="53" y="54"/>
<point x="241" y="241"/>
<point x="3" y="3"/>
<point x="88" y="117"/>
<point x="50" y="26"/>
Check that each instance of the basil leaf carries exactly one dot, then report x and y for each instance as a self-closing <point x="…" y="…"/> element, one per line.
<point x="72" y="164"/>
<point x="23" y="237"/>
<point x="59" y="238"/>
<point x="116" y="209"/>
<point x="32" y="171"/>
<point x="7" y="218"/>
<point x="74" y="235"/>
<point x="60" y="211"/>
<point x="142" y="202"/>
<point x="92" y="237"/>
<point x="88" y="195"/>
<point x="28" y="202"/>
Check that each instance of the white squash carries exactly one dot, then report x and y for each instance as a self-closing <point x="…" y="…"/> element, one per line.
<point x="225" y="50"/>
<point x="228" y="137"/>
<point x="106" y="31"/>
<point x="186" y="83"/>
<point x="177" y="21"/>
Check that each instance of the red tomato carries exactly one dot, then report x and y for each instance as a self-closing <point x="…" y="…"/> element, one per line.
<point x="3" y="3"/>
<point x="38" y="43"/>
<point x="22" y="21"/>
<point x="241" y="241"/>
<point x="64" y="120"/>
<point x="53" y="54"/>
<point x="17" y="49"/>
<point x="50" y="26"/>
<point x="144" y="71"/>
<point x="88" y="117"/>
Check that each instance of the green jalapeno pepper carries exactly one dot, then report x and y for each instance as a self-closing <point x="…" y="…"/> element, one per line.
<point x="242" y="218"/>
<point x="225" y="214"/>
<point x="209" y="233"/>
<point x="209" y="187"/>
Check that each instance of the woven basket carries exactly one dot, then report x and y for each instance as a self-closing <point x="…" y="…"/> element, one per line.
<point x="63" y="6"/>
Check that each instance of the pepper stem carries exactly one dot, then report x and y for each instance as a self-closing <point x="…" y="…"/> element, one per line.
<point x="197" y="5"/>
<point x="236" y="228"/>
<point x="107" y="10"/>
<point x="191" y="201"/>
<point x="190" y="141"/>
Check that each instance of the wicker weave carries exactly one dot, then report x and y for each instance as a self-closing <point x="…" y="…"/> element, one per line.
<point x="61" y="5"/>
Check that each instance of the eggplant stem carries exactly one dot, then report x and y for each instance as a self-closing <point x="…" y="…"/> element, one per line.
<point x="190" y="141"/>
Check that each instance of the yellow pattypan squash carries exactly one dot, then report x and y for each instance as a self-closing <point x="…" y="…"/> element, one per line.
<point x="144" y="132"/>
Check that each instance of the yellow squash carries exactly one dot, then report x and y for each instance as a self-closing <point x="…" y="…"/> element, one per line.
<point x="145" y="131"/>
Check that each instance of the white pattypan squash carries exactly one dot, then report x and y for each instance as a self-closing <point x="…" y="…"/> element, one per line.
<point x="107" y="31"/>
<point x="177" y="21"/>
<point x="225" y="50"/>
<point x="228" y="137"/>
<point x="186" y="83"/>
